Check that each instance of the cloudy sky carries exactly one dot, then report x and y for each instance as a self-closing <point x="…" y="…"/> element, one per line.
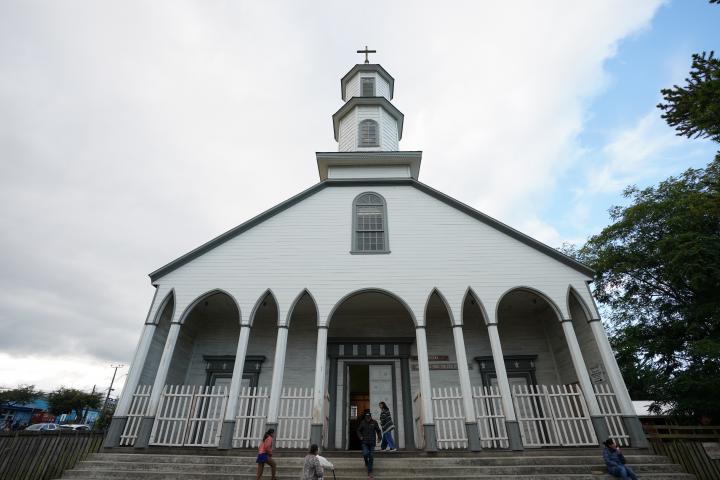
<point x="131" y="132"/>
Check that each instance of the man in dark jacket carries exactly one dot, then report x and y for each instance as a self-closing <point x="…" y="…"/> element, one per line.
<point x="615" y="461"/>
<point x="367" y="431"/>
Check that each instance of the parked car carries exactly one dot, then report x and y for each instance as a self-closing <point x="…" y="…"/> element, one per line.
<point x="78" y="427"/>
<point x="45" y="427"/>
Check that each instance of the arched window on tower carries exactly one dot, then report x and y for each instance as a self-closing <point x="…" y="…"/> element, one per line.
<point x="370" y="224"/>
<point x="368" y="134"/>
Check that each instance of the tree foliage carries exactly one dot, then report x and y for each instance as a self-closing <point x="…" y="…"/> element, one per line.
<point x="65" y="400"/>
<point x="18" y="396"/>
<point x="694" y="109"/>
<point x="658" y="270"/>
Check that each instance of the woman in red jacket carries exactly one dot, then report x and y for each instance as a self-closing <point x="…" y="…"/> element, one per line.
<point x="265" y="455"/>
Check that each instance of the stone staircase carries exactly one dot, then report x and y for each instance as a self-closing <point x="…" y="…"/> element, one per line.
<point x="577" y="464"/>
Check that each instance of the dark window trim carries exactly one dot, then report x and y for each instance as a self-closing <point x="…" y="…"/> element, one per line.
<point x="375" y="123"/>
<point x="353" y="237"/>
<point x="362" y="89"/>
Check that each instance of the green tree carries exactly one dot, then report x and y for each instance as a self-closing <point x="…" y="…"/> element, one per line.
<point x="65" y="400"/>
<point x="694" y="109"/>
<point x="17" y="396"/>
<point x="658" y="270"/>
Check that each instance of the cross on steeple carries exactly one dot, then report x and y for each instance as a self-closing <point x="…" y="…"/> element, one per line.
<point x="366" y="51"/>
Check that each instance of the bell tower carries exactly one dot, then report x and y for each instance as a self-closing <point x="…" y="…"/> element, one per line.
<point x="368" y="129"/>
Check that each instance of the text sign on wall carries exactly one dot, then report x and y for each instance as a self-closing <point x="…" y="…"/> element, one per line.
<point x="434" y="358"/>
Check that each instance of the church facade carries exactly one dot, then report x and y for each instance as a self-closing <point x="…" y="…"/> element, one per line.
<point x="372" y="286"/>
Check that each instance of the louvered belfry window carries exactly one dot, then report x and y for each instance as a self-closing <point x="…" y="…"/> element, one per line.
<point x="370" y="227"/>
<point x="368" y="86"/>
<point x="368" y="134"/>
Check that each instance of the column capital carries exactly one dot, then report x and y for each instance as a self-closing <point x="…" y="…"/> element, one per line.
<point x="594" y="320"/>
<point x="460" y="325"/>
<point x="418" y="327"/>
<point x="564" y="320"/>
<point x="245" y="325"/>
<point x="287" y="327"/>
<point x="175" y="323"/>
<point x="492" y="324"/>
<point x="320" y="327"/>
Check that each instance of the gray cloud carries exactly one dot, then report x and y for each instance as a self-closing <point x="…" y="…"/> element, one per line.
<point x="131" y="132"/>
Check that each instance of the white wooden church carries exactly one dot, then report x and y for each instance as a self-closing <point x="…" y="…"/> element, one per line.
<point x="372" y="286"/>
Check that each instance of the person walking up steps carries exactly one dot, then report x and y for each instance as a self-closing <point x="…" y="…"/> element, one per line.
<point x="265" y="455"/>
<point x="367" y="431"/>
<point x="387" y="427"/>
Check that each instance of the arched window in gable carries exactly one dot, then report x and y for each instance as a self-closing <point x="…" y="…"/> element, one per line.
<point x="368" y="134"/>
<point x="370" y="224"/>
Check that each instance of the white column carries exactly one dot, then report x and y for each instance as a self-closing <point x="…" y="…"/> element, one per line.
<point x="238" y="369"/>
<point x="136" y="368"/>
<point x="277" y="376"/>
<point x="580" y="370"/>
<point x="499" y="362"/>
<point x="464" y="373"/>
<point x="163" y="368"/>
<point x="613" y="371"/>
<point x="632" y="423"/>
<point x="320" y="362"/>
<point x="318" y="418"/>
<point x="424" y="370"/>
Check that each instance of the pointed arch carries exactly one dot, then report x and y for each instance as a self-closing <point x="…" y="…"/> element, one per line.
<point x="267" y="293"/>
<point x="469" y="292"/>
<point x="535" y="291"/>
<point x="572" y="291"/>
<point x="205" y="295"/>
<point x="294" y="303"/>
<point x="444" y="301"/>
<point x="169" y="297"/>
<point x="372" y="290"/>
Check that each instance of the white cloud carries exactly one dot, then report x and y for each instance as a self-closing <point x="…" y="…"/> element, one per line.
<point x="633" y="154"/>
<point x="131" y="132"/>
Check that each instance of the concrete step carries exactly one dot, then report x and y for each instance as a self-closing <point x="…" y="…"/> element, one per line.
<point x="85" y="475"/>
<point x="357" y="467"/>
<point x="581" y="464"/>
<point x="483" y="458"/>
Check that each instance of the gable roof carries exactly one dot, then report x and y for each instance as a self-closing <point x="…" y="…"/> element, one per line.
<point x="232" y="233"/>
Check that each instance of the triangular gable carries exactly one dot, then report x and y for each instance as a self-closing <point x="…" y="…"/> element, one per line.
<point x="511" y="232"/>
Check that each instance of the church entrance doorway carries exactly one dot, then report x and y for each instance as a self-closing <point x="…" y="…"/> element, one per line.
<point x="368" y="384"/>
<point x="359" y="392"/>
<point x="370" y="344"/>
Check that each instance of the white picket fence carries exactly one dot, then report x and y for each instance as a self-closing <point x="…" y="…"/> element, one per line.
<point x="138" y="409"/>
<point x="610" y="409"/>
<point x="553" y="415"/>
<point x="189" y="415"/>
<point x="449" y="418"/>
<point x="294" y="417"/>
<point x="251" y="417"/>
<point x="490" y="417"/>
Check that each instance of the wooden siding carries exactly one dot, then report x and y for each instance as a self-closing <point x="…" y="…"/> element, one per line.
<point x="307" y="246"/>
<point x="347" y="137"/>
<point x="388" y="132"/>
<point x="352" y="88"/>
<point x="156" y="347"/>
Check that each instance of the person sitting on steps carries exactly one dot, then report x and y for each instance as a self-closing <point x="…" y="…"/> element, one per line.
<point x="615" y="461"/>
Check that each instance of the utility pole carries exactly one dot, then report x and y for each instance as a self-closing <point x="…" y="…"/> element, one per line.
<point x="107" y="397"/>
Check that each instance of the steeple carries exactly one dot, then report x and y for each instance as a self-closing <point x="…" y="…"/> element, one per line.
<point x="368" y="128"/>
